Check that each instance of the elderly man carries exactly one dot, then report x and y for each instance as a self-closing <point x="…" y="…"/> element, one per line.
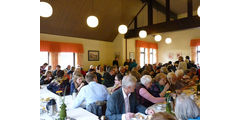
<point x="92" y="92"/>
<point x="122" y="104"/>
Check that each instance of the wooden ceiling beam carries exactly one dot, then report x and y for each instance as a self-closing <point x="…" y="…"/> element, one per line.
<point x="158" y="6"/>
<point x="150" y="13"/>
<point x="179" y="24"/>
<point x="190" y="8"/>
<point x="167" y="10"/>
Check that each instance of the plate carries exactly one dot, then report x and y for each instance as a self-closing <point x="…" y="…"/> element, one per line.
<point x="140" y="116"/>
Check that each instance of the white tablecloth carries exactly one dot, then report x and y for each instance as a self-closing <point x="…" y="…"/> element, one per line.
<point x="78" y="114"/>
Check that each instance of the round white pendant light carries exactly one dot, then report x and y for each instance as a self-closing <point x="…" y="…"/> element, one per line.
<point x="168" y="40"/>
<point x="45" y="9"/>
<point x="122" y="29"/>
<point x="92" y="21"/>
<point x="198" y="11"/>
<point x="143" y="34"/>
<point x="158" y="38"/>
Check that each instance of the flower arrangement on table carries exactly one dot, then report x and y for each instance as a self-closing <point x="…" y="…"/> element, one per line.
<point x="169" y="102"/>
<point x="63" y="111"/>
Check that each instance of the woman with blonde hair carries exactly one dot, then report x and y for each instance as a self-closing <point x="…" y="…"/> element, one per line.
<point x="160" y="85"/>
<point x="164" y="70"/>
<point x="77" y="83"/>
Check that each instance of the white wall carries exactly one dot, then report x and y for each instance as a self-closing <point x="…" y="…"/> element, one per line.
<point x="180" y="44"/>
<point x="119" y="48"/>
<point x="105" y="48"/>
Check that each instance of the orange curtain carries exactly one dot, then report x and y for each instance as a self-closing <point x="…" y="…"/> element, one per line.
<point x="137" y="54"/>
<point x="147" y="45"/>
<point x="193" y="53"/>
<point x="79" y="59"/>
<point x="194" y="43"/>
<point x="60" y="47"/>
<point x="54" y="59"/>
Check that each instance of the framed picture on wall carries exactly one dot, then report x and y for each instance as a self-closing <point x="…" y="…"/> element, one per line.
<point x="131" y="55"/>
<point x="93" y="55"/>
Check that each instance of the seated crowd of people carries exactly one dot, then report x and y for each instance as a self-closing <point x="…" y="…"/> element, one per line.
<point x="127" y="89"/>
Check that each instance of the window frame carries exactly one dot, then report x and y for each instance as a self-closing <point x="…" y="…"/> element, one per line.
<point x="198" y="52"/>
<point x="74" y="56"/>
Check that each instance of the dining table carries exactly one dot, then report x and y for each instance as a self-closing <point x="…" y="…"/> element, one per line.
<point x="191" y="92"/>
<point x="72" y="114"/>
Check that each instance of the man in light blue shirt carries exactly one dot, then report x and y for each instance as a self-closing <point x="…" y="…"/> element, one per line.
<point x="92" y="92"/>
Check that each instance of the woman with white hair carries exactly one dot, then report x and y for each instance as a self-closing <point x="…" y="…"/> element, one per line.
<point x="143" y="94"/>
<point x="186" y="108"/>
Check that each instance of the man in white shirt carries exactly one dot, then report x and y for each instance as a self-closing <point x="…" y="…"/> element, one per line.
<point x="92" y="92"/>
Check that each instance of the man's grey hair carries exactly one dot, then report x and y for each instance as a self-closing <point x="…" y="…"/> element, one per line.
<point x="186" y="108"/>
<point x="128" y="80"/>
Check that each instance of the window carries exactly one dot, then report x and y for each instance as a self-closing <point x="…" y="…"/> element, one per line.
<point x="144" y="56"/>
<point x="65" y="59"/>
<point x="44" y="58"/>
<point x="198" y="54"/>
<point x="153" y="56"/>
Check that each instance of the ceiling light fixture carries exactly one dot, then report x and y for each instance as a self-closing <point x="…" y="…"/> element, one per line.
<point x="122" y="29"/>
<point x="45" y="9"/>
<point x="143" y="34"/>
<point x="198" y="11"/>
<point x="168" y="40"/>
<point x="92" y="21"/>
<point x="157" y="38"/>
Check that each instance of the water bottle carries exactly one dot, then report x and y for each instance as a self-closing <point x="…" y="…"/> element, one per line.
<point x="74" y="94"/>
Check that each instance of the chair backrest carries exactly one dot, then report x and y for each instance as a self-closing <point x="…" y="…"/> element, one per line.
<point x="98" y="108"/>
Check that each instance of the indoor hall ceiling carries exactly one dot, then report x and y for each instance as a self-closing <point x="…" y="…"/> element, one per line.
<point x="69" y="17"/>
<point x="180" y="6"/>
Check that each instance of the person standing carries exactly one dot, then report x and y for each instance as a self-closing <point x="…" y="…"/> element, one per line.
<point x="115" y="62"/>
<point x="126" y="62"/>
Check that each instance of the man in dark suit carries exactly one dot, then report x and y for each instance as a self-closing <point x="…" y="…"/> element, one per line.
<point x="122" y="104"/>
